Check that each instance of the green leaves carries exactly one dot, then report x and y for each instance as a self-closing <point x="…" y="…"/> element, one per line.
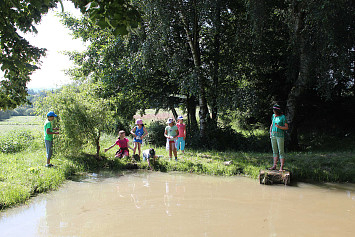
<point x="18" y="58"/>
<point x="119" y="16"/>
<point x="82" y="116"/>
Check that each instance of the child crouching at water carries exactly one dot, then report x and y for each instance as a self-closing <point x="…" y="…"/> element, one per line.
<point x="149" y="154"/>
<point x="123" y="143"/>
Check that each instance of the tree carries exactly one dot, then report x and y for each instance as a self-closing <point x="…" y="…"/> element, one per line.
<point x="18" y="59"/>
<point x="106" y="63"/>
<point x="301" y="55"/>
<point x="191" y="42"/>
<point x="82" y="116"/>
<point x="323" y="40"/>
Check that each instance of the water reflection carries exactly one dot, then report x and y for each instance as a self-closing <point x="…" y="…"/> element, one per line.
<point x="160" y="204"/>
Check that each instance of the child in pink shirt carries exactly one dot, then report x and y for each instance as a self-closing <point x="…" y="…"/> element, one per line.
<point x="123" y="143"/>
<point x="180" y="144"/>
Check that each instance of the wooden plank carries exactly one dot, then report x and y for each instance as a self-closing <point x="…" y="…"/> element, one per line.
<point x="274" y="177"/>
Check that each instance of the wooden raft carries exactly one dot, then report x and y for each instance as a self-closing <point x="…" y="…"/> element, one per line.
<point x="274" y="177"/>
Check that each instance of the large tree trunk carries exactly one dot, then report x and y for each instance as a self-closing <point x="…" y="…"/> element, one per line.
<point x="193" y="41"/>
<point x="216" y="59"/>
<point x="191" y="115"/>
<point x="302" y="78"/>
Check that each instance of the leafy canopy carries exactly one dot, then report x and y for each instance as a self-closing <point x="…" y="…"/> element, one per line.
<point x="18" y="59"/>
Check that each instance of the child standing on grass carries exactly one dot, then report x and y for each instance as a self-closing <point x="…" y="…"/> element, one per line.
<point x="48" y="136"/>
<point x="123" y="143"/>
<point x="171" y="133"/>
<point x="277" y="135"/>
<point x="182" y="134"/>
<point x="138" y="132"/>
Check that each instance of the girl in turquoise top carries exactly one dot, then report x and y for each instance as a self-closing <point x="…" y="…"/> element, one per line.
<point x="171" y="133"/>
<point x="277" y="135"/>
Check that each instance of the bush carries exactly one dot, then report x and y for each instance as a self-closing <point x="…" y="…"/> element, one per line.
<point x="225" y="138"/>
<point x="156" y="133"/>
<point x="15" y="141"/>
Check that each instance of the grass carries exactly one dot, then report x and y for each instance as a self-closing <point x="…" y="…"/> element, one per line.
<point x="23" y="173"/>
<point x="21" y="123"/>
<point x="305" y="166"/>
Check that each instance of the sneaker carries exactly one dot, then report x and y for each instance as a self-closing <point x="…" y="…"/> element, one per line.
<point x="49" y="165"/>
<point x="175" y="158"/>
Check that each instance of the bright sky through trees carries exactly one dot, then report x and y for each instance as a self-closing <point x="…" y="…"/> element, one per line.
<point x="53" y="36"/>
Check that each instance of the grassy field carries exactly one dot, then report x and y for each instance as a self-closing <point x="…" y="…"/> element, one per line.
<point x="21" y="123"/>
<point x="23" y="172"/>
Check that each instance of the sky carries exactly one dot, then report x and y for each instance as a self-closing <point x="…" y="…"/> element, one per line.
<point x="55" y="37"/>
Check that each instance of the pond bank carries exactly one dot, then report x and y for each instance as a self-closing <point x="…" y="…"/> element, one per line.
<point x="23" y="175"/>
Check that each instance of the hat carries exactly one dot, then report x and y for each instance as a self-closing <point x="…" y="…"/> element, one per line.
<point x="139" y="121"/>
<point x="170" y="120"/>
<point x="180" y="117"/>
<point x="52" y="114"/>
<point x="277" y="107"/>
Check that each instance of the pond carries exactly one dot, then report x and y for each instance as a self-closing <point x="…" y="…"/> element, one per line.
<point x="176" y="204"/>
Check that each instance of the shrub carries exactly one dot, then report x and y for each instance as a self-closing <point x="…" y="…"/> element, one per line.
<point x="223" y="138"/>
<point x="15" y="141"/>
<point x="156" y="133"/>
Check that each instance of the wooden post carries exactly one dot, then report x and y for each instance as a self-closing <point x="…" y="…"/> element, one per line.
<point x="274" y="177"/>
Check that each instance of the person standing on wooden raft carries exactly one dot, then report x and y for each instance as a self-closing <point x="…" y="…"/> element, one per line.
<point x="277" y="135"/>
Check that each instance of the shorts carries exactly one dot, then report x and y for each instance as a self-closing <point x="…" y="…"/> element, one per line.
<point x="138" y="140"/>
<point x="49" y="150"/>
<point x="170" y="143"/>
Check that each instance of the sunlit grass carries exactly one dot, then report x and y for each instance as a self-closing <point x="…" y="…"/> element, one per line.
<point x="21" y="123"/>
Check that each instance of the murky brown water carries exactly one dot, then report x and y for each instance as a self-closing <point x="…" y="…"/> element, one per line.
<point x="160" y="204"/>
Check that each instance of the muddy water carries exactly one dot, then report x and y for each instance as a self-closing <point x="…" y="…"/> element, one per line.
<point x="160" y="204"/>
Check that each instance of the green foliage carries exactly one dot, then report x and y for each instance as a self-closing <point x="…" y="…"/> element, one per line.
<point x="106" y="63"/>
<point x="120" y="16"/>
<point x="18" y="58"/>
<point x="82" y="116"/>
<point x="156" y="133"/>
<point x="16" y="141"/>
